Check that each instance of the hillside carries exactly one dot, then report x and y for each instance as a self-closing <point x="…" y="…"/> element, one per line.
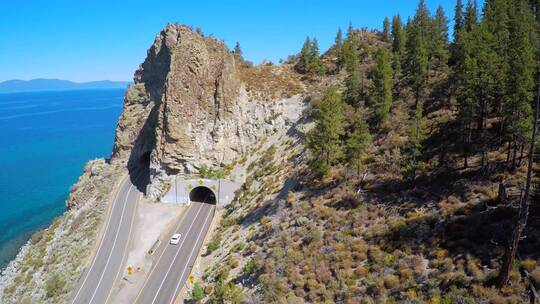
<point x="396" y="167"/>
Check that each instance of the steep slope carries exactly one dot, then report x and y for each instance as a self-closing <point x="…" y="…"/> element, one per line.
<point x="192" y="104"/>
<point x="48" y="267"/>
<point x="188" y="108"/>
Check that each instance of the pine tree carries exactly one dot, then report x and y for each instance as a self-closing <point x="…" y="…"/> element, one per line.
<point x="338" y="46"/>
<point x="324" y="140"/>
<point x="440" y="44"/>
<point x="458" y="18"/>
<point x="353" y="87"/>
<point x="315" y="64"/>
<point x="357" y="143"/>
<point x="386" y="30"/>
<point x="522" y="28"/>
<point x="305" y="56"/>
<point x="238" y="50"/>
<point x="382" y="85"/>
<point x="350" y="31"/>
<point x="351" y="54"/>
<point x="464" y="75"/>
<point x="496" y="20"/>
<point x="520" y="81"/>
<point x="418" y="33"/>
<point x="417" y="133"/>
<point x="339" y="39"/>
<point x="477" y="86"/>
<point x="470" y="19"/>
<point x="398" y="45"/>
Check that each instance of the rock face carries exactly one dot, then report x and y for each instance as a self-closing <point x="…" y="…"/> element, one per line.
<point x="188" y="108"/>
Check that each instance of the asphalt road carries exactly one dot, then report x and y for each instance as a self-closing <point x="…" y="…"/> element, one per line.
<point x="100" y="277"/>
<point x="174" y="263"/>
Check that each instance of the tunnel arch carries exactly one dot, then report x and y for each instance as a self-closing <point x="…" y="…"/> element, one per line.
<point x="202" y="194"/>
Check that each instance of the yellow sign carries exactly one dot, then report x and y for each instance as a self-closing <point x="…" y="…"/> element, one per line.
<point x="190" y="186"/>
<point x="213" y="187"/>
<point x="201" y="182"/>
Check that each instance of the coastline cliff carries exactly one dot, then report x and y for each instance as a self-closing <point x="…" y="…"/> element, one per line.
<point x="192" y="104"/>
<point x="188" y="108"/>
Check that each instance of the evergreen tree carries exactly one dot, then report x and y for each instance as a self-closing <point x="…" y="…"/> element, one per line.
<point x="338" y="46"/>
<point x="357" y="143"/>
<point x="351" y="54"/>
<point x="324" y="140"/>
<point x="440" y="43"/>
<point x="458" y="18"/>
<point x="520" y="81"/>
<point x="522" y="218"/>
<point x="386" y="30"/>
<point x="464" y="75"/>
<point x="418" y="33"/>
<point x="496" y="20"/>
<point x="470" y="19"/>
<point x="350" y="31"/>
<point x="238" y="50"/>
<point x="398" y="44"/>
<point x="305" y="56"/>
<point x="417" y="133"/>
<point x="353" y="86"/>
<point x="382" y="85"/>
<point x="315" y="64"/>
<point x="339" y="39"/>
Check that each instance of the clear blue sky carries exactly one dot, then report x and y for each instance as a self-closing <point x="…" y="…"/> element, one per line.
<point x="107" y="39"/>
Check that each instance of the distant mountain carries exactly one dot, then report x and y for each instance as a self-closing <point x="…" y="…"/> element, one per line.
<point x="57" y="84"/>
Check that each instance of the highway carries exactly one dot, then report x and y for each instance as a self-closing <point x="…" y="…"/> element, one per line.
<point x="174" y="264"/>
<point x="100" y="277"/>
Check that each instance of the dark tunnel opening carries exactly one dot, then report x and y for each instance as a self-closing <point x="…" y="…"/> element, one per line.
<point x="139" y="171"/>
<point x="202" y="194"/>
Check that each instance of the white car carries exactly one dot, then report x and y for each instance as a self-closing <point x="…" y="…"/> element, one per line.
<point x="175" y="239"/>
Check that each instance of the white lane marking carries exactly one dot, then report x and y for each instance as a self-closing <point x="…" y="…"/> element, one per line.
<point x="156" y="263"/>
<point x="176" y="255"/>
<point x="126" y="249"/>
<point x="97" y="253"/>
<point x="190" y="255"/>
<point x="114" y="245"/>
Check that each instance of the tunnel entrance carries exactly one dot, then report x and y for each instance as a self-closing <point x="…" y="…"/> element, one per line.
<point x="202" y="194"/>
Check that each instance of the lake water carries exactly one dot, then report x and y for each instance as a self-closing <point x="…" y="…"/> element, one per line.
<point x="46" y="138"/>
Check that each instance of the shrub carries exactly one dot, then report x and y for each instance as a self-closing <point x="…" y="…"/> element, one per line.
<point x="391" y="281"/>
<point x="249" y="267"/>
<point x="54" y="285"/>
<point x="389" y="260"/>
<point x="528" y="264"/>
<point x="233" y="262"/>
<point x="213" y="245"/>
<point x="37" y="236"/>
<point x="265" y="220"/>
<point x="375" y="255"/>
<point x="197" y="294"/>
<point x="536" y="275"/>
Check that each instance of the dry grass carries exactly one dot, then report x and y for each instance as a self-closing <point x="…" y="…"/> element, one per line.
<point x="268" y="82"/>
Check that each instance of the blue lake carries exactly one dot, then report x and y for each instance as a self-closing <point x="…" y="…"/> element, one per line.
<point x="47" y="137"/>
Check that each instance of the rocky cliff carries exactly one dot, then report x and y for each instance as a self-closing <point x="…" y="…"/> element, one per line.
<point x="188" y="107"/>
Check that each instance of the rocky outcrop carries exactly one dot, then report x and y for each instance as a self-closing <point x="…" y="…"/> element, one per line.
<point x="188" y="108"/>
